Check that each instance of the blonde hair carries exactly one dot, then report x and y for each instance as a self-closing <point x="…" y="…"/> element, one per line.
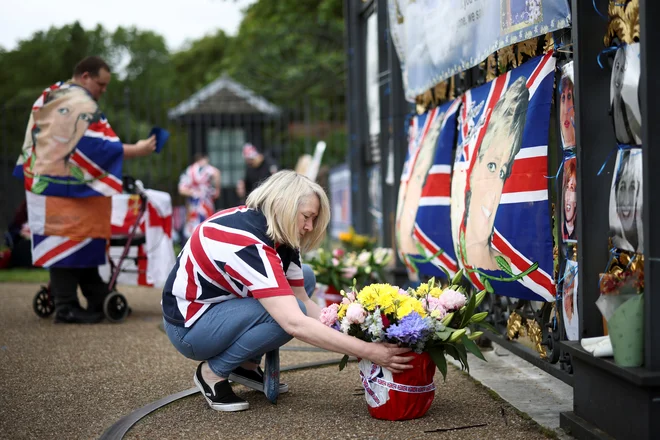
<point x="279" y="198"/>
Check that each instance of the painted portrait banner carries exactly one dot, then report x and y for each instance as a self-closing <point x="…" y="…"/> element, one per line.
<point x="70" y="150"/>
<point x="438" y="39"/>
<point x="423" y="220"/>
<point x="499" y="195"/>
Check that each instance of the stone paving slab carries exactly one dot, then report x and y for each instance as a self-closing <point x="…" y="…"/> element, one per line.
<point x="75" y="381"/>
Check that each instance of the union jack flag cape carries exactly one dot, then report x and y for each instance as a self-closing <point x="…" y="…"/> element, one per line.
<point x="431" y="139"/>
<point x="92" y="167"/>
<point x="520" y="240"/>
<point x="70" y="163"/>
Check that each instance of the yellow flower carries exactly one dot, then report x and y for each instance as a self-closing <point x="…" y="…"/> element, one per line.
<point x="436" y="292"/>
<point x="359" y="241"/>
<point x="407" y="305"/>
<point x="341" y="312"/>
<point x="368" y="297"/>
<point x="347" y="237"/>
<point x="388" y="298"/>
<point x="422" y="290"/>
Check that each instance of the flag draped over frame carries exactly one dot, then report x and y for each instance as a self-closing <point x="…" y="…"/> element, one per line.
<point x="423" y="213"/>
<point x="147" y="264"/>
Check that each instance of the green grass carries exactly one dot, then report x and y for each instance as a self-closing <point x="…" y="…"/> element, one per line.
<point x="36" y="275"/>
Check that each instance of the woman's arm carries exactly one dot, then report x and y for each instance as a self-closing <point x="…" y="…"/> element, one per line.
<point x="287" y="313"/>
<point x="313" y="309"/>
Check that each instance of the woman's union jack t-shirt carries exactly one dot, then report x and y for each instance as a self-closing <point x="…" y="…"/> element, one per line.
<point x="228" y="256"/>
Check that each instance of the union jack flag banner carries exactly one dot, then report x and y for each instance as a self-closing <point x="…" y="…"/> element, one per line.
<point x="70" y="150"/>
<point x="424" y="239"/>
<point x="500" y="210"/>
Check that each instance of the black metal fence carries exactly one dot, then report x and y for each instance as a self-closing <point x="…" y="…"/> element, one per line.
<point x="218" y="125"/>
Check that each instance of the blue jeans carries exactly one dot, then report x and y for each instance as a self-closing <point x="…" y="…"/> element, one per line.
<point x="233" y="332"/>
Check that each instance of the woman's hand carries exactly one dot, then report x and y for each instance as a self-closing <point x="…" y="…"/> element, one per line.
<point x="390" y="356"/>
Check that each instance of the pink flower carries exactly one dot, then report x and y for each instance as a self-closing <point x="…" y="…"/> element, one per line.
<point x="335" y="262"/>
<point x="356" y="313"/>
<point x="433" y="304"/>
<point x="452" y="300"/>
<point x="349" y="272"/>
<point x="345" y="301"/>
<point x="329" y="315"/>
<point x="338" y="253"/>
<point x="350" y="295"/>
<point x="403" y="292"/>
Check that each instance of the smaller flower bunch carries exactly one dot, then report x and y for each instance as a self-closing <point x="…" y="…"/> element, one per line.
<point x="351" y="241"/>
<point x="368" y="266"/>
<point x="330" y="268"/>
<point x="623" y="280"/>
<point x="429" y="319"/>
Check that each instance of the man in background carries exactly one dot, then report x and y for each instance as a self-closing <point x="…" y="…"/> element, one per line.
<point x="71" y="165"/>
<point x="259" y="168"/>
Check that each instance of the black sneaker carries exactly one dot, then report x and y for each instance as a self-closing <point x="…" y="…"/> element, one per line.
<point x="222" y="397"/>
<point x="253" y="379"/>
<point x="76" y="315"/>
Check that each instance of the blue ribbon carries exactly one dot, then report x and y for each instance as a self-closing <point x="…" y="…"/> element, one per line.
<point x="613" y="255"/>
<point x="597" y="11"/>
<point x="604" y="51"/>
<point x="568" y="154"/>
<point x="620" y="147"/>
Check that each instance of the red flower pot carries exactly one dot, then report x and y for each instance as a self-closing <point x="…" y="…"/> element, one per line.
<point x="331" y="296"/>
<point x="400" y="396"/>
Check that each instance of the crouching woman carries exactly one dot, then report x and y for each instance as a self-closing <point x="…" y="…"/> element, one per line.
<point x="237" y="290"/>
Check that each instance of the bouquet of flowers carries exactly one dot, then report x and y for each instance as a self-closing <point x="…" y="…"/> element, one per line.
<point x="428" y="319"/>
<point x="432" y="320"/>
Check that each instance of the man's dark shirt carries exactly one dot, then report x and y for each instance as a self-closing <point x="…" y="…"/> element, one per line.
<point x="254" y="176"/>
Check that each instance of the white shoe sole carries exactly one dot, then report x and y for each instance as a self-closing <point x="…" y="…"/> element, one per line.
<point x="228" y="407"/>
<point x="258" y="386"/>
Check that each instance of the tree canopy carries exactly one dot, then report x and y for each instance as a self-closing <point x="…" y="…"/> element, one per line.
<point x="285" y="51"/>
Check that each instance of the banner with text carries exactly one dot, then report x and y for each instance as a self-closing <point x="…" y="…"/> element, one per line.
<point x="438" y="39"/>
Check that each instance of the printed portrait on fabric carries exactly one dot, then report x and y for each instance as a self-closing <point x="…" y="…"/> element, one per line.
<point x="58" y="126"/>
<point x="570" y="301"/>
<point x="492" y="167"/>
<point x="626" y="227"/>
<point x="566" y="106"/>
<point x="423" y="210"/>
<point x="624" y="95"/>
<point x="500" y="216"/>
<point x="418" y="164"/>
<point x="569" y="201"/>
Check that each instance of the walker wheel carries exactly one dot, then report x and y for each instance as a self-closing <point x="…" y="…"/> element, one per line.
<point x="115" y="307"/>
<point x="43" y="303"/>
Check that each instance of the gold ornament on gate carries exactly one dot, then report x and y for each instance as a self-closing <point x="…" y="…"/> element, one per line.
<point x="535" y="334"/>
<point x="624" y="22"/>
<point x="514" y="326"/>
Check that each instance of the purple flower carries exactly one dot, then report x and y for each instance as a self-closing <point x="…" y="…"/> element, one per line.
<point x="410" y="330"/>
